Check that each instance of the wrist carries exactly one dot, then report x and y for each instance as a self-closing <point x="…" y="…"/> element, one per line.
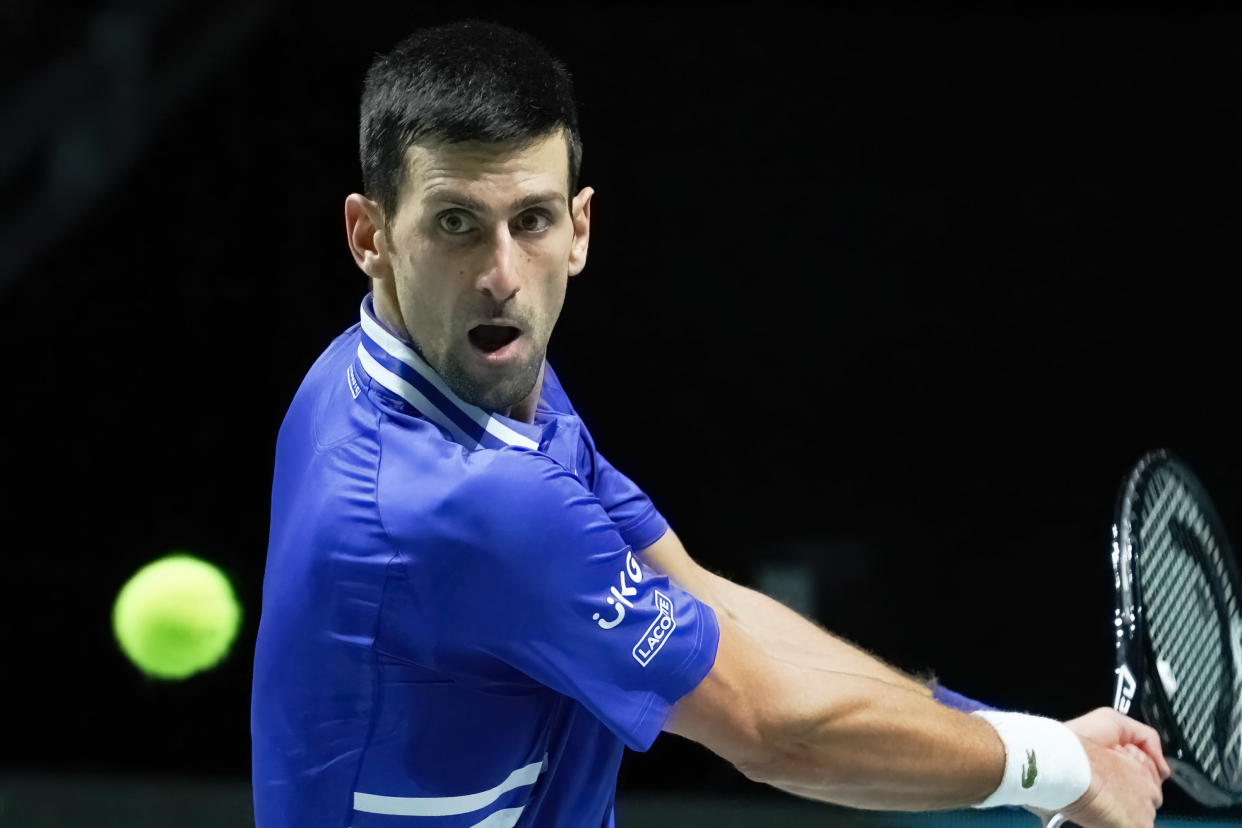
<point x="1046" y="765"/>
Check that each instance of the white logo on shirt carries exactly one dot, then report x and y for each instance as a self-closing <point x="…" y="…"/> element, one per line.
<point x="658" y="632"/>
<point x="353" y="382"/>
<point x="620" y="597"/>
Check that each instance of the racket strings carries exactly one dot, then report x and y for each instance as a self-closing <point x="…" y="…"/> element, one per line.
<point x="1187" y="643"/>
<point x="1182" y="632"/>
<point x="1184" y="625"/>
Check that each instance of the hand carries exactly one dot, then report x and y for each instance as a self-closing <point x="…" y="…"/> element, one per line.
<point x="1122" y="793"/>
<point x="1127" y="769"/>
<point x="1112" y="729"/>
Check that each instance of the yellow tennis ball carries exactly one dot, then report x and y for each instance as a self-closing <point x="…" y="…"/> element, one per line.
<point x="176" y="616"/>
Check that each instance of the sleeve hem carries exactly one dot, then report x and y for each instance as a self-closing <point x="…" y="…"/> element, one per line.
<point x="645" y="529"/>
<point x="651" y="719"/>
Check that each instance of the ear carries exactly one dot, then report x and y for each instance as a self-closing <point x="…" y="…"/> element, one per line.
<point x="581" y="210"/>
<point x="364" y="232"/>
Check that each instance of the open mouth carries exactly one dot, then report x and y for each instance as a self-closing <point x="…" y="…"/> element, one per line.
<point x="491" y="338"/>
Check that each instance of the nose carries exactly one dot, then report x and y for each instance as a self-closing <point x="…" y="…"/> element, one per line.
<point x="499" y="278"/>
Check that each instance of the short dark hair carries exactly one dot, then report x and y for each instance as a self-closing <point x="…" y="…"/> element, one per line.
<point x="469" y="80"/>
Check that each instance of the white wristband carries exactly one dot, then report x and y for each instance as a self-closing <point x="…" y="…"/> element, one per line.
<point x="1045" y="764"/>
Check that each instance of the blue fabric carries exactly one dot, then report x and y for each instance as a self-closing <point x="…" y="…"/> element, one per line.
<point x="455" y="629"/>
<point x="957" y="701"/>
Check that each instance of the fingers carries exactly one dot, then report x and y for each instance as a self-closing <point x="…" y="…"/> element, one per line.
<point x="1148" y="740"/>
<point x="1111" y="727"/>
<point x="1137" y="754"/>
<point x="1143" y="760"/>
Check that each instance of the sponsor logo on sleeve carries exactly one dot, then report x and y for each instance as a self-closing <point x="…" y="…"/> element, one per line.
<point x="620" y="598"/>
<point x="659" y="631"/>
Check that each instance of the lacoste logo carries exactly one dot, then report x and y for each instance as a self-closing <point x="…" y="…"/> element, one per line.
<point x="655" y="636"/>
<point x="1029" y="771"/>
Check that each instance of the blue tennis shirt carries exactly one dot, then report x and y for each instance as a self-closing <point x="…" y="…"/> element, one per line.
<point x="456" y="629"/>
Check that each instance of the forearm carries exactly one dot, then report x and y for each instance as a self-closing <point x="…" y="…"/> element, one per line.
<point x="795" y="707"/>
<point x="894" y="748"/>
<point x="790" y="636"/>
<point x="863" y="742"/>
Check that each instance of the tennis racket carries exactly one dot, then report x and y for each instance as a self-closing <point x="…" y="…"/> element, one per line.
<point x="1178" y="626"/>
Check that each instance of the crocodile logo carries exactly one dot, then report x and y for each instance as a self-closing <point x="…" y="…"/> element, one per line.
<point x="1029" y="771"/>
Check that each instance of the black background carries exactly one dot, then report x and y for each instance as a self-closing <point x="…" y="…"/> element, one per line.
<point x="910" y="289"/>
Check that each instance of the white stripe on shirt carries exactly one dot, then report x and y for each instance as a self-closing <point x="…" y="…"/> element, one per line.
<point x="505" y="818"/>
<point x="413" y="396"/>
<point x="448" y="805"/>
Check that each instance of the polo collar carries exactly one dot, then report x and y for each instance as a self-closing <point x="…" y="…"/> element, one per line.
<point x="397" y="367"/>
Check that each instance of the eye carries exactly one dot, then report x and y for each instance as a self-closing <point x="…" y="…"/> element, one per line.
<point x="533" y="221"/>
<point x="456" y="222"/>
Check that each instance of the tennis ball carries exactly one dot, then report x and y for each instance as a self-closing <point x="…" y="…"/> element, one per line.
<point x="176" y="616"/>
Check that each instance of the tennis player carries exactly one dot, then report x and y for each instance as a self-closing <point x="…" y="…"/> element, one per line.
<point x="468" y="613"/>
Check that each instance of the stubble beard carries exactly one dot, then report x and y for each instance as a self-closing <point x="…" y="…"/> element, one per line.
<point x="496" y="395"/>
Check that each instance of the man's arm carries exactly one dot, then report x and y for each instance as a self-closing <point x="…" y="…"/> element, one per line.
<point x="839" y="726"/>
<point x="836" y="736"/>
<point x="783" y="633"/>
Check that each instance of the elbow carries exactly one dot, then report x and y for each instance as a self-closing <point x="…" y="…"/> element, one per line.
<point x="755" y="759"/>
<point x="779" y="751"/>
<point x="759" y="713"/>
<point x="762" y="771"/>
<point x="734" y="728"/>
<point x="777" y="762"/>
<point x="805" y="749"/>
<point x="750" y="749"/>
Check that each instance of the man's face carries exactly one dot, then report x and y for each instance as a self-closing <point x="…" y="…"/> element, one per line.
<point x="481" y="256"/>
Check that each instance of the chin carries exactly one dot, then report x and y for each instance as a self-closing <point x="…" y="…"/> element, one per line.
<point x="493" y="394"/>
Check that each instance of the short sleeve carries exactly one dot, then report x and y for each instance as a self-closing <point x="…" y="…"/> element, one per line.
<point x="543" y="581"/>
<point x="628" y="506"/>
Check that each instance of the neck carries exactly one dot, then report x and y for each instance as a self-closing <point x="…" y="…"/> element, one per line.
<point x="387" y="312"/>
<point x="524" y="410"/>
<point x="389" y="315"/>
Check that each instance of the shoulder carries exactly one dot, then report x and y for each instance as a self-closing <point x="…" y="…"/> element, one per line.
<point x="324" y="411"/>
<point x="434" y="491"/>
<point x="329" y="367"/>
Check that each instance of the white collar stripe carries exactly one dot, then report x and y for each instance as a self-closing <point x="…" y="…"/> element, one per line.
<point x="428" y="392"/>
<point x="435" y="391"/>
<point x="449" y="805"/>
<point x="410" y="357"/>
<point x="507" y="435"/>
<point x="410" y="394"/>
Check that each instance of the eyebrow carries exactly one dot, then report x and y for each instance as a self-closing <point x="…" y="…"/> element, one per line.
<point x="473" y="204"/>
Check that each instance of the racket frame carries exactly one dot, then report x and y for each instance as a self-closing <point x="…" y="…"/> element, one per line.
<point x="1137" y="680"/>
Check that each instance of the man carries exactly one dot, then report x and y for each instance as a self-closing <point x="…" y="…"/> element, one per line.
<point x="468" y="613"/>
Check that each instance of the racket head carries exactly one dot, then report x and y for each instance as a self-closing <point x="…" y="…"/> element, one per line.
<point x="1179" y="625"/>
